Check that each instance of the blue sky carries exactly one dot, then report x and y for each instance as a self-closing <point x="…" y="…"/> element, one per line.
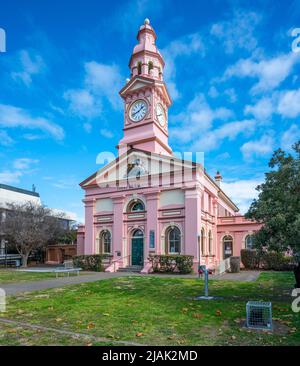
<point x="230" y="69"/>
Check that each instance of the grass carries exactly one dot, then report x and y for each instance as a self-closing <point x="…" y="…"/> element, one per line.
<point x="15" y="276"/>
<point x="159" y="311"/>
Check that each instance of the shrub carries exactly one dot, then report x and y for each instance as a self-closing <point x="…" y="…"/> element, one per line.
<point x="91" y="262"/>
<point x="276" y="261"/>
<point x="172" y="263"/>
<point x="250" y="258"/>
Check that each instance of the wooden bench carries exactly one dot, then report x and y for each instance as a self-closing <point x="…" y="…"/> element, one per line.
<point x="67" y="268"/>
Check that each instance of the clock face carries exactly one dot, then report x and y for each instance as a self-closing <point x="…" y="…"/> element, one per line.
<point x="138" y="110"/>
<point x="161" y="115"/>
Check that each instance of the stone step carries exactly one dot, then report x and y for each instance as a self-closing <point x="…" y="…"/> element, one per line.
<point x="130" y="269"/>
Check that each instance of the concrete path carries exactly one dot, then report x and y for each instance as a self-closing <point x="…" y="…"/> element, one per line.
<point x="245" y="276"/>
<point x="15" y="288"/>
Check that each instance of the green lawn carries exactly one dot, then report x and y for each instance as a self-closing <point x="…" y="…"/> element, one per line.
<point x="14" y="276"/>
<point x="159" y="311"/>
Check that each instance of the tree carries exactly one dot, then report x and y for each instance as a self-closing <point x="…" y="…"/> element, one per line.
<point x="278" y="207"/>
<point x="29" y="227"/>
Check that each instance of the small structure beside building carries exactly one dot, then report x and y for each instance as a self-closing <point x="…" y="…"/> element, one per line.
<point x="54" y="253"/>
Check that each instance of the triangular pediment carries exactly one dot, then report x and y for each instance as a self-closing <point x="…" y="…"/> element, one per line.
<point x="137" y="164"/>
<point x="135" y="84"/>
<point x="139" y="82"/>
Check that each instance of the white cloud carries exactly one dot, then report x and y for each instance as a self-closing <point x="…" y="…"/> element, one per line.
<point x="289" y="137"/>
<point x="255" y="148"/>
<point x="9" y="177"/>
<point x="242" y="192"/>
<point x="24" y="163"/>
<point x="197" y="118"/>
<point x="185" y="46"/>
<point x="213" y="92"/>
<point x="289" y="103"/>
<point x="83" y="103"/>
<point x="269" y="72"/>
<point x="286" y="103"/>
<point x="262" y="110"/>
<point x="100" y="85"/>
<point x="5" y="139"/>
<point x="69" y="182"/>
<point x="238" y="32"/>
<point x="104" y="80"/>
<point x="12" y="117"/>
<point x="106" y="133"/>
<point x="30" y="64"/>
<point x="214" y="138"/>
<point x="231" y="94"/>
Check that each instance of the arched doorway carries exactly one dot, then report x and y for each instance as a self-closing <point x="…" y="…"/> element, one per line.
<point x="227" y="246"/>
<point x="137" y="248"/>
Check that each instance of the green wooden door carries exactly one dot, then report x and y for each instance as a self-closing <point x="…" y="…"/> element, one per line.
<point x="137" y="251"/>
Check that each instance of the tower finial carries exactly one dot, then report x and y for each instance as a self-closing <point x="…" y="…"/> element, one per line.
<point x="147" y="21"/>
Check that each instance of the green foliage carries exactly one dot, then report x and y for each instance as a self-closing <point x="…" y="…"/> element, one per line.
<point x="276" y="261"/>
<point x="278" y="204"/>
<point x="250" y="258"/>
<point x="253" y="259"/>
<point x="69" y="237"/>
<point x="172" y="263"/>
<point x="90" y="262"/>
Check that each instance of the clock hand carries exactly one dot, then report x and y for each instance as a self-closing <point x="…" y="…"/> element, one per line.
<point x="138" y="111"/>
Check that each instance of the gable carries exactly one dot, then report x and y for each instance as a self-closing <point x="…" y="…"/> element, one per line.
<point x="138" y="164"/>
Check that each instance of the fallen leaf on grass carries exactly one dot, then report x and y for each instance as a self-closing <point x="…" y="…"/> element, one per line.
<point x="12" y="330"/>
<point x="138" y="334"/>
<point x="58" y="320"/>
<point x="218" y="312"/>
<point x="42" y="296"/>
<point x="184" y="310"/>
<point x="90" y="325"/>
<point x="198" y="315"/>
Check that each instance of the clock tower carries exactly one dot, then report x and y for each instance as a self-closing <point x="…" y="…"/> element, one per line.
<point x="146" y="98"/>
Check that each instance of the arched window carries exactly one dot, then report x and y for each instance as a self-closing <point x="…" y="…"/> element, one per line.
<point x="139" y="67"/>
<point x="227" y="246"/>
<point x="173" y="240"/>
<point x="136" y="206"/>
<point x="249" y="242"/>
<point x="202" y="241"/>
<point x="150" y="66"/>
<point x="105" y="241"/>
<point x="209" y="242"/>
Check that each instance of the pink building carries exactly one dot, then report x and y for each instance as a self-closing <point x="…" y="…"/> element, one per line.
<point x="149" y="201"/>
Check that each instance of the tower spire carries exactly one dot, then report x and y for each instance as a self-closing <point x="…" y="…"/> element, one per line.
<point x="146" y="59"/>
